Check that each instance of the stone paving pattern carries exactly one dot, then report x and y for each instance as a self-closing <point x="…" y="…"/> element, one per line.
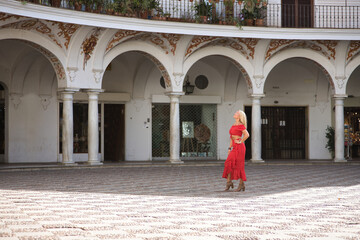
<point x="181" y="202"/>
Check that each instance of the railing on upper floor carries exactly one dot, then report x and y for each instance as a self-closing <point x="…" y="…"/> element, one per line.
<point x="274" y="15"/>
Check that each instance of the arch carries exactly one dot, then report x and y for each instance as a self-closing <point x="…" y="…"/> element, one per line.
<point x="351" y="67"/>
<point x="324" y="63"/>
<point x="50" y="50"/>
<point x="160" y="59"/>
<point x="139" y="84"/>
<point x="236" y="58"/>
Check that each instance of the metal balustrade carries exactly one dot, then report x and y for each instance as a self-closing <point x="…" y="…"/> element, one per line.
<point x="275" y="15"/>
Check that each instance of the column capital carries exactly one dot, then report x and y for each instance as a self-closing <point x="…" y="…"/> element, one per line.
<point x="68" y="90"/>
<point x="340" y="96"/>
<point x="257" y="96"/>
<point x="174" y="94"/>
<point x="93" y="91"/>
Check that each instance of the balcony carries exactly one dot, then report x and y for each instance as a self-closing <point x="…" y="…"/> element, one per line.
<point x="223" y="13"/>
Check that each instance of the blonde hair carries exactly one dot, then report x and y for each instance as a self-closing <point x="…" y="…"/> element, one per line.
<point x="242" y="117"/>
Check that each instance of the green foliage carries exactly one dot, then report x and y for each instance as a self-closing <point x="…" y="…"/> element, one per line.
<point x="203" y="8"/>
<point x="330" y="135"/>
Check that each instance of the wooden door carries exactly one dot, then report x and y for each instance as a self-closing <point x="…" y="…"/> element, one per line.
<point x="114" y="132"/>
<point x="297" y="13"/>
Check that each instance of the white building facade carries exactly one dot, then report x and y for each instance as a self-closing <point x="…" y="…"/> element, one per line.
<point x="86" y="87"/>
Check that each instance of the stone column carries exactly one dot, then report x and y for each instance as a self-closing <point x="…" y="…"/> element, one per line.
<point x="93" y="127"/>
<point x="67" y="127"/>
<point x="339" y="128"/>
<point x="256" y="129"/>
<point x="175" y="127"/>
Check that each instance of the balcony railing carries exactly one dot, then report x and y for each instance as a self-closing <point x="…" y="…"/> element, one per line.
<point x="273" y="15"/>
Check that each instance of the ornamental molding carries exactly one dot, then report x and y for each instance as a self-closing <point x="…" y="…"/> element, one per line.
<point x="167" y="42"/>
<point x="89" y="44"/>
<point x="55" y="62"/>
<point x="353" y="50"/>
<point x="72" y="73"/>
<point x="97" y="74"/>
<point x="325" y="47"/>
<point x="340" y="80"/>
<point x="57" y="32"/>
<point x="244" y="73"/>
<point x="246" y="46"/>
<point x="259" y="80"/>
<point x="161" y="68"/>
<point x="45" y="100"/>
<point x="15" y="99"/>
<point x="34" y="25"/>
<point x="178" y="78"/>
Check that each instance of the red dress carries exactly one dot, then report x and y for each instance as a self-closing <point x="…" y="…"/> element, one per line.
<point x="235" y="162"/>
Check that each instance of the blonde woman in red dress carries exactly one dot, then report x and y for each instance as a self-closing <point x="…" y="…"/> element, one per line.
<point x="235" y="162"/>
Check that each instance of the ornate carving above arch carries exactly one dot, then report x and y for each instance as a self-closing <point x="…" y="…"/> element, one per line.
<point x="167" y="42"/>
<point x="57" y="32"/>
<point x="353" y="50"/>
<point x="89" y="44"/>
<point x="246" y="46"/>
<point x="325" y="47"/>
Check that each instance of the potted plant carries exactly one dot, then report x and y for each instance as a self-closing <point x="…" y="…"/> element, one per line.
<point x="203" y="11"/>
<point x="229" y="10"/>
<point x="330" y="145"/>
<point x="260" y="11"/>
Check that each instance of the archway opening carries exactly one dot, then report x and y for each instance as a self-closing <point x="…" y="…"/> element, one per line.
<point x="352" y="116"/>
<point x="296" y="111"/>
<point x="29" y="103"/>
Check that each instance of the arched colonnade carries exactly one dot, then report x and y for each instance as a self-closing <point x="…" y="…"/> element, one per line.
<point x="80" y="55"/>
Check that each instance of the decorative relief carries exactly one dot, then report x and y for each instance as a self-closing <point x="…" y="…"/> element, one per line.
<point x="89" y="45"/>
<point x="167" y="42"/>
<point x="15" y="99"/>
<point x="72" y="73"/>
<point x="58" y="67"/>
<point x="244" y="73"/>
<point x="246" y="46"/>
<point x="45" y="100"/>
<point x="172" y="39"/>
<point x="178" y="77"/>
<point x="34" y="25"/>
<point x="275" y="45"/>
<point x="354" y="49"/>
<point x="5" y="16"/>
<point x="327" y="75"/>
<point x="326" y="48"/>
<point x="162" y="69"/>
<point x="340" y="80"/>
<point x="330" y="45"/>
<point x="66" y="31"/>
<point x="97" y="75"/>
<point x="196" y="42"/>
<point x="120" y="35"/>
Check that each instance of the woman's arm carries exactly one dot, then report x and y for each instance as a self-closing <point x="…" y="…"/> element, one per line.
<point x="246" y="135"/>
<point x="229" y="149"/>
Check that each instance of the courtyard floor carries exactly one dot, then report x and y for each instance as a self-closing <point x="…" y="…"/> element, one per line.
<point x="284" y="201"/>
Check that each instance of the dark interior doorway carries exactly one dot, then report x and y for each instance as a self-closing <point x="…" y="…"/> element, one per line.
<point x="297" y="13"/>
<point x="283" y="132"/>
<point x="114" y="132"/>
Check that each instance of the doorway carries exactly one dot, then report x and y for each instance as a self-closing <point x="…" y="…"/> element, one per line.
<point x="297" y="13"/>
<point x="283" y="132"/>
<point x="114" y="132"/>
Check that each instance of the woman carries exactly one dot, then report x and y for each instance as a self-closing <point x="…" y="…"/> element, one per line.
<point x="235" y="162"/>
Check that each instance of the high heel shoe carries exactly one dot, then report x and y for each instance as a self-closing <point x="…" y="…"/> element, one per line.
<point x="228" y="185"/>
<point x="241" y="187"/>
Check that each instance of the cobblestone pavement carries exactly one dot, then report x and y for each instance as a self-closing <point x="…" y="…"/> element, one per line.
<point x="181" y="202"/>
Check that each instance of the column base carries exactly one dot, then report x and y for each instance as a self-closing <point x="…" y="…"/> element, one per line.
<point x="340" y="160"/>
<point x="94" y="163"/>
<point x="176" y="161"/>
<point x="257" y="161"/>
<point x="69" y="164"/>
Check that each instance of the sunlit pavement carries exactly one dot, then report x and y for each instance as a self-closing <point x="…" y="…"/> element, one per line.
<point x="181" y="202"/>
